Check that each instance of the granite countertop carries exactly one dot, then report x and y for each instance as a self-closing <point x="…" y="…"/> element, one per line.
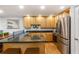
<point x="25" y="38"/>
<point x="5" y="39"/>
<point x="29" y="39"/>
<point x="43" y="30"/>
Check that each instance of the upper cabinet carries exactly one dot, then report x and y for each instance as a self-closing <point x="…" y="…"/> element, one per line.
<point x="28" y="21"/>
<point x="50" y="22"/>
<point x="32" y="20"/>
<point x="44" y="22"/>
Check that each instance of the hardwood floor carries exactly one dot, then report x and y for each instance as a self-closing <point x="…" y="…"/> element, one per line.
<point x="50" y="48"/>
<point x="45" y="48"/>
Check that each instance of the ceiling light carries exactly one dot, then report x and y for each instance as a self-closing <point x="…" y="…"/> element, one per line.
<point x="21" y="7"/>
<point x="50" y="15"/>
<point x="42" y="7"/>
<point x="39" y="15"/>
<point x="62" y="7"/>
<point x="28" y="15"/>
<point x="1" y="11"/>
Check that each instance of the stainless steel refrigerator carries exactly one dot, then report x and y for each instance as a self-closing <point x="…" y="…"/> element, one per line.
<point x="63" y="34"/>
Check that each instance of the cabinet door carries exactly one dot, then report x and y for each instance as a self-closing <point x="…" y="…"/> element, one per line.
<point x="49" y="36"/>
<point x="1" y="47"/>
<point x="50" y="22"/>
<point x="55" y="20"/>
<point x="52" y="19"/>
<point x="28" y="21"/>
<point x="41" y="21"/>
<point x="32" y="20"/>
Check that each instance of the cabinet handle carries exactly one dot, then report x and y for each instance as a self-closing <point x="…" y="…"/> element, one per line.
<point x="76" y="38"/>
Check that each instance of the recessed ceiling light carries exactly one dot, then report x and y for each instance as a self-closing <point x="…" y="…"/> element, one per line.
<point x="50" y="15"/>
<point x="62" y="7"/>
<point x="21" y="7"/>
<point x="28" y="15"/>
<point x="39" y="15"/>
<point x="42" y="7"/>
<point x="1" y="11"/>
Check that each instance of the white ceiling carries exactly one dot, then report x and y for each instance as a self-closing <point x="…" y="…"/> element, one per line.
<point x="32" y="10"/>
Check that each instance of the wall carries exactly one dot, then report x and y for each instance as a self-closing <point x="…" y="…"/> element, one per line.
<point x="3" y="24"/>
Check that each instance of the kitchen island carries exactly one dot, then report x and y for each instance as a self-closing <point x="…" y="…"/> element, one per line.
<point x="30" y="40"/>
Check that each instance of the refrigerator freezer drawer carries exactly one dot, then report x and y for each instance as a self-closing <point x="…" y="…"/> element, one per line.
<point x="64" y="48"/>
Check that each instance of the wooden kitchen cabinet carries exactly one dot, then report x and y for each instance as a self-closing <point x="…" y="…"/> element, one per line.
<point x="49" y="36"/>
<point x="42" y="21"/>
<point x="28" y="21"/>
<point x="33" y="20"/>
<point x="1" y="47"/>
<point x="56" y="20"/>
<point x="50" y="22"/>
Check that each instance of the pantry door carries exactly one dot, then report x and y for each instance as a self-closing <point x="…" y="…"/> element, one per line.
<point x="74" y="13"/>
<point x="76" y="31"/>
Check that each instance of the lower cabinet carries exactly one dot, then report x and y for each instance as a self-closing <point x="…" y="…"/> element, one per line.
<point x="1" y="47"/>
<point x="46" y="36"/>
<point x="49" y="36"/>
